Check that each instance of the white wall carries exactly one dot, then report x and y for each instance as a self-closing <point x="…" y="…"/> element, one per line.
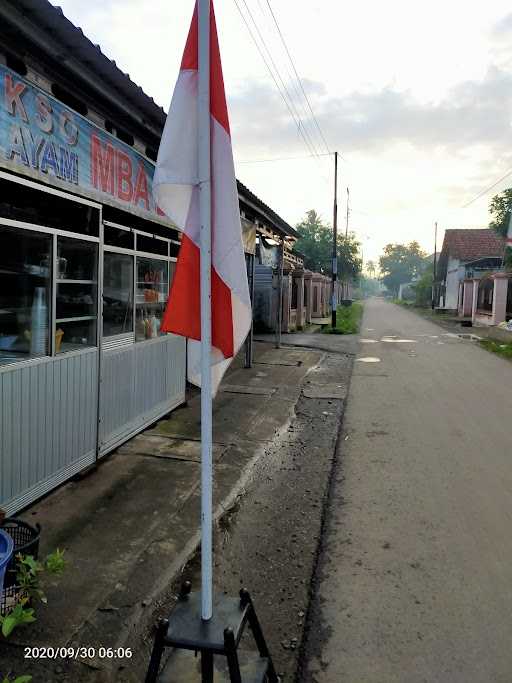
<point x="455" y="273"/>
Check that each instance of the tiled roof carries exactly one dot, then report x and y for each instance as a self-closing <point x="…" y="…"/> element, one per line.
<point x="470" y="244"/>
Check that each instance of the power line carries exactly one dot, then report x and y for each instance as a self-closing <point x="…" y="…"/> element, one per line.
<point x="290" y="76"/>
<point x="297" y="76"/>
<point x="299" y="127"/>
<point x="276" y="69"/>
<point x="487" y="189"/>
<point x="263" y="161"/>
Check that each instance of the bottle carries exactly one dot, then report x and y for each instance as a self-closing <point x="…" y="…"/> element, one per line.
<point x="154" y="326"/>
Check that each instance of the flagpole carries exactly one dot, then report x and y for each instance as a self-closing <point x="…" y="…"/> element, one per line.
<point x="206" y="311"/>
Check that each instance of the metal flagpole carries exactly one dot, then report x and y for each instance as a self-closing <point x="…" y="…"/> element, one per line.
<point x="204" y="164"/>
<point x="279" y="310"/>
<point x="345" y="284"/>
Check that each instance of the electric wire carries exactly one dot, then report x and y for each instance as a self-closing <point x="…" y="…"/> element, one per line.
<point x="297" y="75"/>
<point x="264" y="161"/>
<point x="296" y="116"/>
<point x="291" y="78"/>
<point x="487" y="189"/>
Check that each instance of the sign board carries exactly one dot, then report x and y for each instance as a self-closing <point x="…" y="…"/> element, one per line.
<point x="269" y="253"/>
<point x="248" y="236"/>
<point x="42" y="138"/>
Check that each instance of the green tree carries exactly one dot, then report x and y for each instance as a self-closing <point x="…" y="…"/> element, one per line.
<point x="315" y="242"/>
<point x="368" y="286"/>
<point x="423" y="288"/>
<point x="500" y="208"/>
<point x="371" y="268"/>
<point x="401" y="263"/>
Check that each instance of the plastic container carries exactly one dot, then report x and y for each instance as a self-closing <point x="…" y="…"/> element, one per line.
<point x="6" y="550"/>
<point x="39" y="333"/>
<point x="26" y="542"/>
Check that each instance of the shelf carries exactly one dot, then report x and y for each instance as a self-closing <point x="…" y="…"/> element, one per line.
<point x="76" y="320"/>
<point x="66" y="347"/>
<point x="76" y="282"/>
<point x="151" y="303"/>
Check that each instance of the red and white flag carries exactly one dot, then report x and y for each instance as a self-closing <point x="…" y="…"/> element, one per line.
<point x="177" y="194"/>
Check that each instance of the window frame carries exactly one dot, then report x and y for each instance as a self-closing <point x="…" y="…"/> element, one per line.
<point x="101" y="342"/>
<point x="54" y="233"/>
<point x="128" y="338"/>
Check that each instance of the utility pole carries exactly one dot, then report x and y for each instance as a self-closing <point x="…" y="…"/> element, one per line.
<point x="346" y="224"/>
<point x="334" y="302"/>
<point x="435" y="268"/>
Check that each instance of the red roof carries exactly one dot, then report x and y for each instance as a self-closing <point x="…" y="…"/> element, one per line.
<point x="471" y="244"/>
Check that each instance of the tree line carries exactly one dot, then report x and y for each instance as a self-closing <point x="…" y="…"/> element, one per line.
<point x="315" y="243"/>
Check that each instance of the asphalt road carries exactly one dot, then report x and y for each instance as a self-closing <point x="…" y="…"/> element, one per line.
<point x="415" y="576"/>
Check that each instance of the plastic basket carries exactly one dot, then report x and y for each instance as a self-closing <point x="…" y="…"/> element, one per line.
<point x="6" y="549"/>
<point x="26" y="542"/>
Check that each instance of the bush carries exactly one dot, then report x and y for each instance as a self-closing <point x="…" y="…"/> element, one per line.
<point x="348" y="320"/>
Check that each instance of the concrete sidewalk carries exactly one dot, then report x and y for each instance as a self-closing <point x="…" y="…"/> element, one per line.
<point x="331" y="343"/>
<point x="129" y="526"/>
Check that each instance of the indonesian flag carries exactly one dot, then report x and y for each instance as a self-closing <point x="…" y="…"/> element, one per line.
<point x="177" y="193"/>
<point x="509" y="231"/>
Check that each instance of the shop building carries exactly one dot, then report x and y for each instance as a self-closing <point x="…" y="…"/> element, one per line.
<point x="86" y="257"/>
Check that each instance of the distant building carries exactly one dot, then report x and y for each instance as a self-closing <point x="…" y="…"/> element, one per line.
<point x="466" y="253"/>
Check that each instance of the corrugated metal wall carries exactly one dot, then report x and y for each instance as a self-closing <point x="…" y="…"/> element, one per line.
<point x="48" y="422"/>
<point x="139" y="383"/>
<point x="263" y="307"/>
<point x="49" y="411"/>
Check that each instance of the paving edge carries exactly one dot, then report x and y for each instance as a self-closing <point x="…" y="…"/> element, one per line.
<point x="327" y="502"/>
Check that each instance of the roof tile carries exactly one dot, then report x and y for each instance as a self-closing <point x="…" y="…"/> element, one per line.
<point x="470" y="244"/>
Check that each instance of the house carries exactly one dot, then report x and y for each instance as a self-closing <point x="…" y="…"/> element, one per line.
<point x="466" y="254"/>
<point x="491" y="299"/>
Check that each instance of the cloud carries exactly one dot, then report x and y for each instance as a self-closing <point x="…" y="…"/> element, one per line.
<point x="473" y="113"/>
<point x="503" y="27"/>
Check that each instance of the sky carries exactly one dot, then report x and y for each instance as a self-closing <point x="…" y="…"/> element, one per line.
<point x="416" y="98"/>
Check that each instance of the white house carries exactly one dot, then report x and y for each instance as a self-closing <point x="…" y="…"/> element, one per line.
<point x="466" y="253"/>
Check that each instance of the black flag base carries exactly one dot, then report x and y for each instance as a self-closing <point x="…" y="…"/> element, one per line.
<point x="216" y="641"/>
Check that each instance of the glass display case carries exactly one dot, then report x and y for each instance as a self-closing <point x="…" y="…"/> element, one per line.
<point x="151" y="296"/>
<point x="25" y="285"/>
<point x="76" y="294"/>
<point x="117" y="294"/>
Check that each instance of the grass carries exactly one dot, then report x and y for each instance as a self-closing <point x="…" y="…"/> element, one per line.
<point x="503" y="350"/>
<point x="348" y="320"/>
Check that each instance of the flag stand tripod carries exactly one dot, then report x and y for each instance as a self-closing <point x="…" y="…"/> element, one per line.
<point x="187" y="633"/>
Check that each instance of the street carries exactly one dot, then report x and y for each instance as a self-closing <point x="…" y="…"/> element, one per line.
<point x="414" y="578"/>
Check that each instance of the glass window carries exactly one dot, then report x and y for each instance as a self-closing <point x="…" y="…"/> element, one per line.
<point x="76" y="297"/>
<point x="76" y="260"/>
<point x="25" y="276"/>
<point x="117" y="294"/>
<point x="23" y="203"/>
<point x="75" y="300"/>
<point x="73" y="334"/>
<point x="116" y="237"/>
<point x="152" y="245"/>
<point x="151" y="298"/>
